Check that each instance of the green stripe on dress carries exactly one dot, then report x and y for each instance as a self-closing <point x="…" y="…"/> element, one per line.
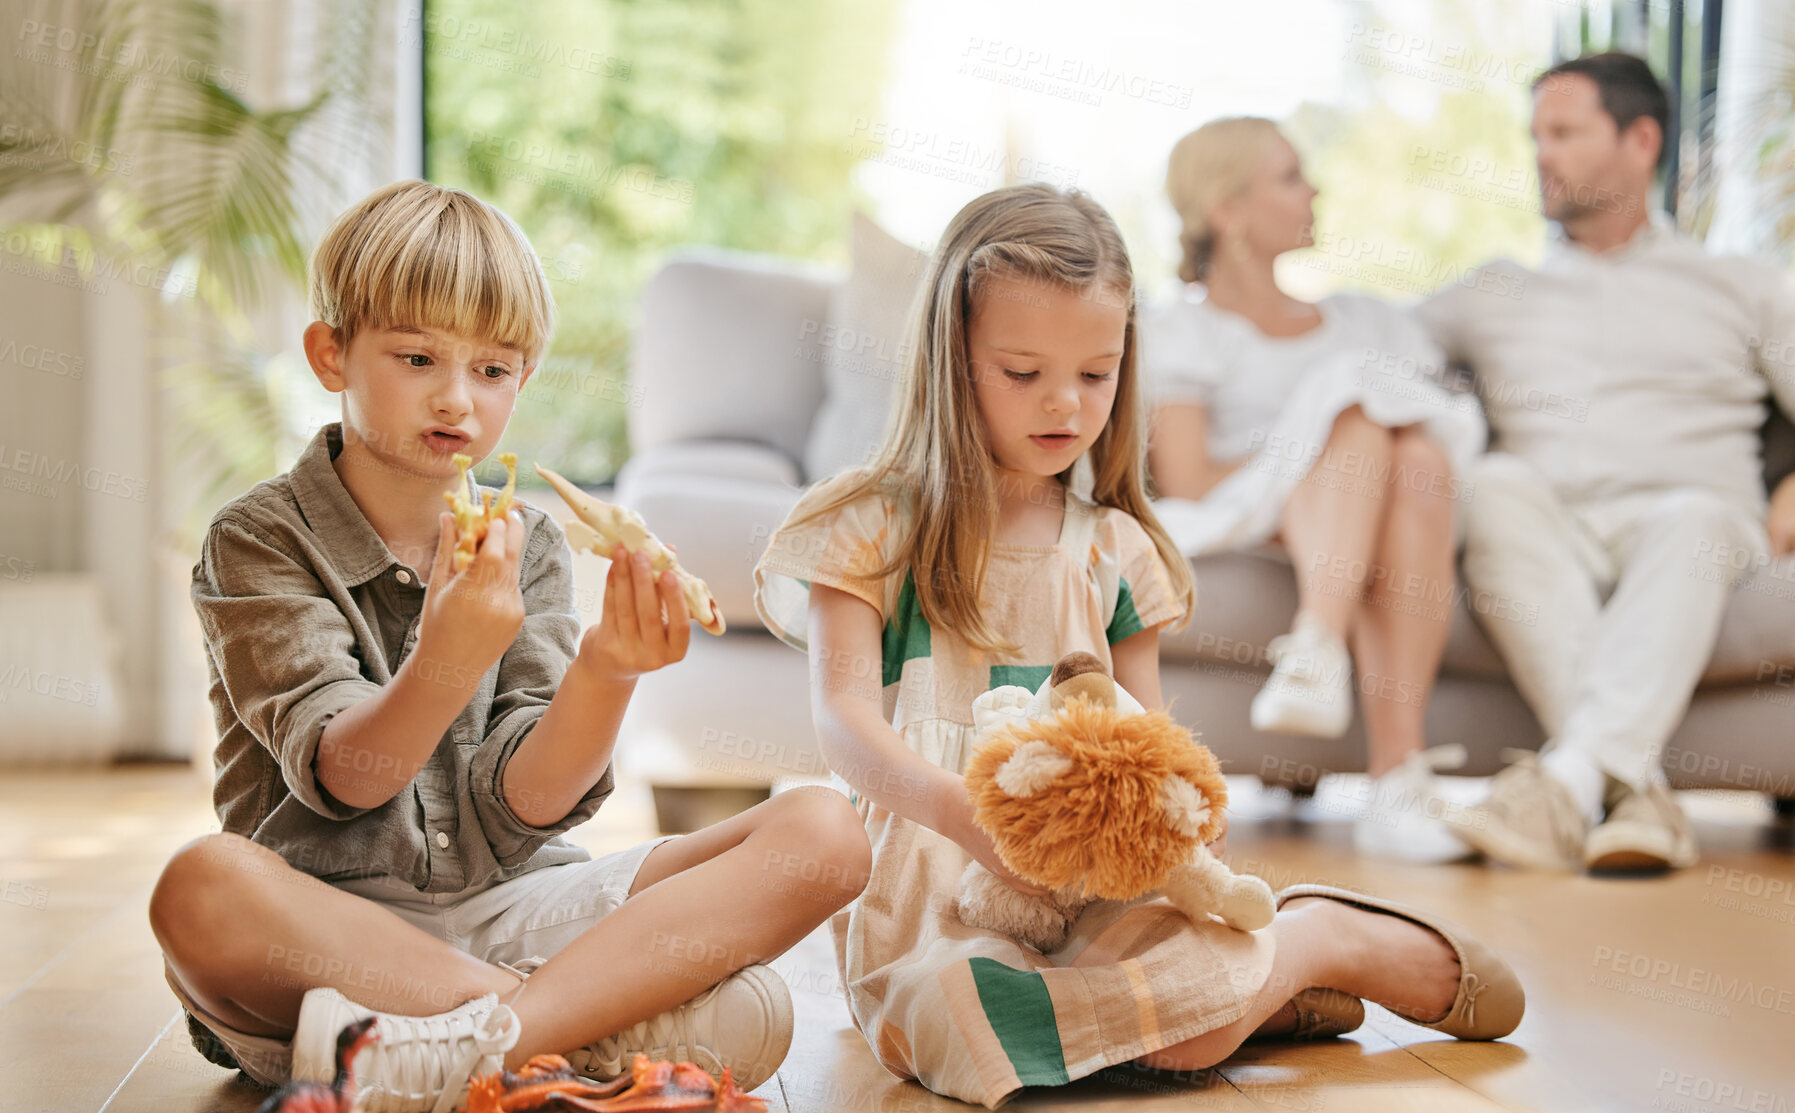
<point x="1029" y="676"/>
<point x="906" y="634"/>
<point x="1020" y="1012"/>
<point x="1127" y="621"/>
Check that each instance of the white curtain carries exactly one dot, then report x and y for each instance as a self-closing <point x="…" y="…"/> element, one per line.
<point x="1756" y="82"/>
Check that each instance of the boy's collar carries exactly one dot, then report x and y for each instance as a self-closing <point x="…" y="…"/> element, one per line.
<point x="333" y="513"/>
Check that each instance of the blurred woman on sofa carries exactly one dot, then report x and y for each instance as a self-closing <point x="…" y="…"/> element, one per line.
<point x="1322" y="427"/>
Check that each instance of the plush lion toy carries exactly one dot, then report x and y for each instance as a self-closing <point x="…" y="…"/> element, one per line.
<point x="1088" y="793"/>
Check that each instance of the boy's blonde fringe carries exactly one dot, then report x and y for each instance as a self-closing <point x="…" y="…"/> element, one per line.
<point x="935" y="449"/>
<point x="429" y="256"/>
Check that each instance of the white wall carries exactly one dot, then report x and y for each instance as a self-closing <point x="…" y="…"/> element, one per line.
<point x="44" y="364"/>
<point x="113" y="427"/>
<point x="60" y="682"/>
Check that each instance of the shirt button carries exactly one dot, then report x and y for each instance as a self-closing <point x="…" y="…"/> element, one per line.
<point x="402" y="576"/>
<point x="442" y="839"/>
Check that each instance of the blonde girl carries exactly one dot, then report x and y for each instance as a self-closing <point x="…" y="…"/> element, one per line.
<point x="1002" y="523"/>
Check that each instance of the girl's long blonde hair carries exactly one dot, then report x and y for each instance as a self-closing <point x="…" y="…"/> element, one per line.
<point x="935" y="447"/>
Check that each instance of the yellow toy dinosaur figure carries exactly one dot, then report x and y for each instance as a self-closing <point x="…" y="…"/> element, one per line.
<point x="475" y="513"/>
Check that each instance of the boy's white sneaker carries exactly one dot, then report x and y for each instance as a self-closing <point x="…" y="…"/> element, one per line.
<point x="744" y="1022"/>
<point x="1402" y="820"/>
<point x="419" y="1064"/>
<point x="1310" y="688"/>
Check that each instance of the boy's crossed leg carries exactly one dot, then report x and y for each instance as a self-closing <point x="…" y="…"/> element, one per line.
<point x="231" y="916"/>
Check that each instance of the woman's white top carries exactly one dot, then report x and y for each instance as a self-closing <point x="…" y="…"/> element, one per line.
<point x="1275" y="399"/>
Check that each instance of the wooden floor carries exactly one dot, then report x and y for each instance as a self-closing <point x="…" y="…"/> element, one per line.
<point x="1674" y="994"/>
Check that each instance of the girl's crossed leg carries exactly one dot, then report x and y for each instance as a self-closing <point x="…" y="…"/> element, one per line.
<point x="1392" y="961"/>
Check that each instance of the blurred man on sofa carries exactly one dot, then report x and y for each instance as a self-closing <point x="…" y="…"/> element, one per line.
<point x="1625" y="382"/>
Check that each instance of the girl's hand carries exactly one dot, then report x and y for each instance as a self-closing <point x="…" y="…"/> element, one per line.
<point x="1219" y="845"/>
<point x="978" y="844"/>
<point x="645" y="625"/>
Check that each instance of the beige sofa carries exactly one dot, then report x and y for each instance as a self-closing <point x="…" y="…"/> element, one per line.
<point x="730" y="357"/>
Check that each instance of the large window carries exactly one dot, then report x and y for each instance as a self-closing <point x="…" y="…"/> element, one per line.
<point x="1412" y="117"/>
<point x="1681" y="40"/>
<point x="615" y="131"/>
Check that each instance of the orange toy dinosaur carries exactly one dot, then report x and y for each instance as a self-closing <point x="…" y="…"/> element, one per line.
<point x="547" y="1084"/>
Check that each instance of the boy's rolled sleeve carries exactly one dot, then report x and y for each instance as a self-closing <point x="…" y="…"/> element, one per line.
<point x="529" y="674"/>
<point x="284" y="651"/>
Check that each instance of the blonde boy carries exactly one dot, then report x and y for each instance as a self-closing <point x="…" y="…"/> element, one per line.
<point x="401" y="746"/>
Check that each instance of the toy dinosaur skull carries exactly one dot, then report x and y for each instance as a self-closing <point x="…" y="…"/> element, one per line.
<point x="601" y="526"/>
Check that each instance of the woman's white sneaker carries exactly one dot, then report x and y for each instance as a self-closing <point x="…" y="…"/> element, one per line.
<point x="419" y="1064"/>
<point x="1402" y="819"/>
<point x="1310" y="688"/>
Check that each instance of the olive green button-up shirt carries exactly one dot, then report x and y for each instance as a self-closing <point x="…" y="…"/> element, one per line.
<point x="306" y="613"/>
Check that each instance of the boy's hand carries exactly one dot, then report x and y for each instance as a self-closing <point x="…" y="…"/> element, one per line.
<point x="645" y="625"/>
<point x="471" y="617"/>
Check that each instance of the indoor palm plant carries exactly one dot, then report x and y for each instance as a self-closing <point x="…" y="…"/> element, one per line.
<point x="129" y="144"/>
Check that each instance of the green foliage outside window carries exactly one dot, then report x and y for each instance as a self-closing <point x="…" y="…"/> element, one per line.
<point x="1426" y="165"/>
<point x="616" y="131"/>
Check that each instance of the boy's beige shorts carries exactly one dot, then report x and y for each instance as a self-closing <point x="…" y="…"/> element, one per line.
<point x="533" y="915"/>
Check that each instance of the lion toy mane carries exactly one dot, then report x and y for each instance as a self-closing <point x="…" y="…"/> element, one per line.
<point x="1089" y="794"/>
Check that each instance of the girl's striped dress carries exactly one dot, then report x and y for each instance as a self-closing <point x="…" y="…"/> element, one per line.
<point x="970" y="1014"/>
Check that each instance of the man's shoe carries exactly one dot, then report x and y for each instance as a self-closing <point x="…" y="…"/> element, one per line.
<point x="419" y="1064"/>
<point x="1309" y="691"/>
<point x="1645" y="830"/>
<point x="744" y="1022"/>
<point x="1403" y="820"/>
<point x="1528" y="820"/>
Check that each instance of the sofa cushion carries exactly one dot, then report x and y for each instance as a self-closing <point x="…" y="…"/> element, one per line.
<point x="743" y="460"/>
<point x="1757" y="636"/>
<point x="735" y="710"/>
<point x="1779" y="448"/>
<point x="1245" y="599"/>
<point x="861" y="348"/>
